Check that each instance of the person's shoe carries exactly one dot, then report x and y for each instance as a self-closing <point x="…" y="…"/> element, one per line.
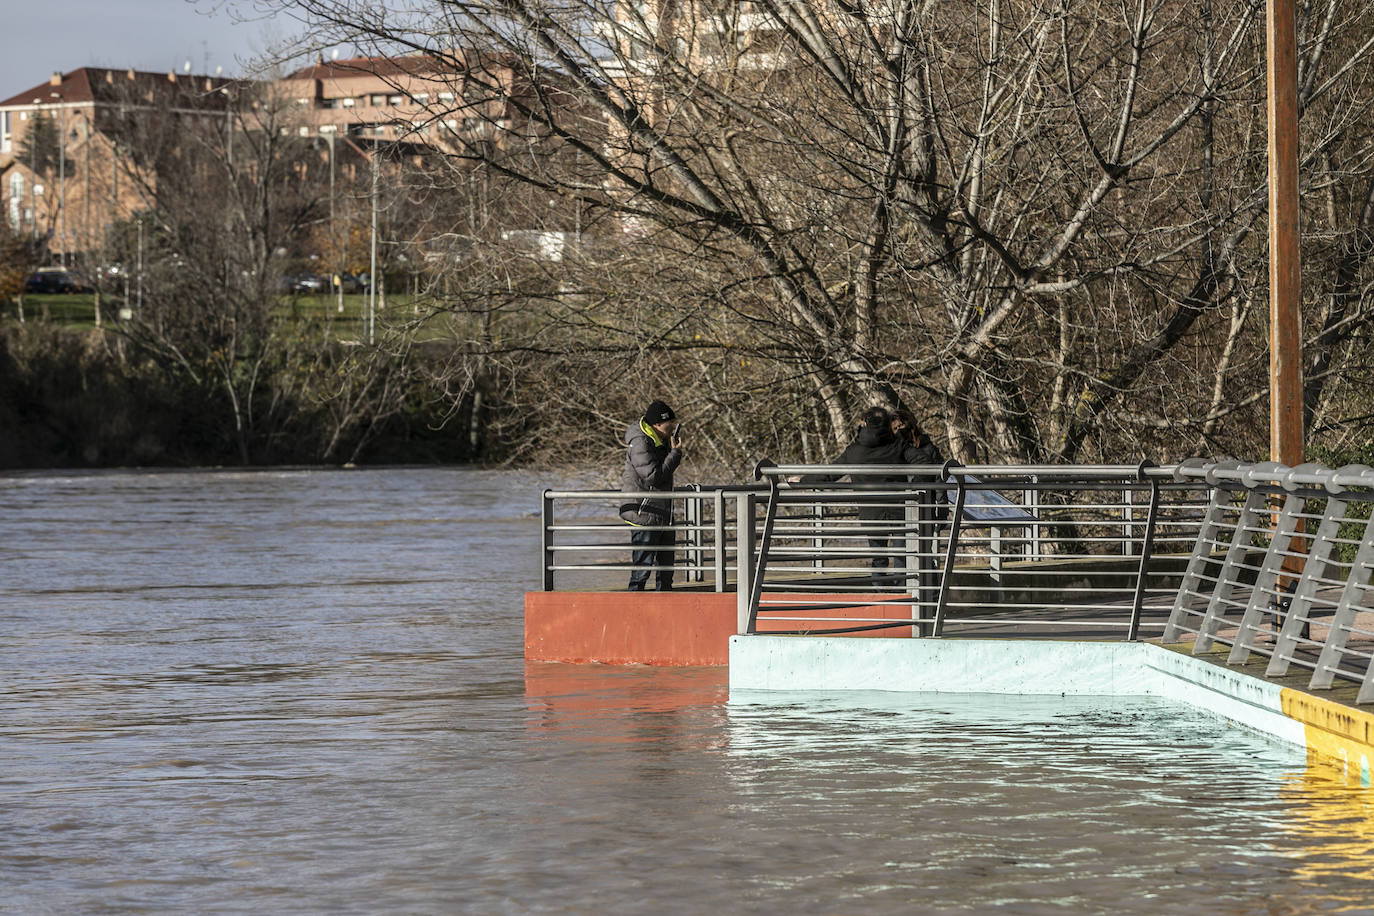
<point x="664" y="587"/>
<point x="635" y="588"/>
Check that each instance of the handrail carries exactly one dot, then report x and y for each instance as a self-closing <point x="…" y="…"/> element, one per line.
<point x="1143" y="470"/>
<point x="1297" y="551"/>
<point x="1200" y="551"/>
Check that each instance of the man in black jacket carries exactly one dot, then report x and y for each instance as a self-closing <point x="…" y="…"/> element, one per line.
<point x="878" y="443"/>
<point x="655" y="451"/>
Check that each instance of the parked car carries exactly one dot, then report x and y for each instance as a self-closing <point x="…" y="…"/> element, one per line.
<point x="304" y="283"/>
<point x="54" y="280"/>
<point x="352" y="284"/>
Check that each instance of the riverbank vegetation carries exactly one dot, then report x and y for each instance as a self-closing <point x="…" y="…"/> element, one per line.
<point x="1042" y="230"/>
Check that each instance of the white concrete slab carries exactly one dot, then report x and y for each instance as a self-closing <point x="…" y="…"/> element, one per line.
<point x="1025" y="667"/>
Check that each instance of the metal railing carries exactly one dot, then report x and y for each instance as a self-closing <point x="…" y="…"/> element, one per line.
<point x="1282" y="570"/>
<point x="1003" y="542"/>
<point x="1054" y="548"/>
<point x="712" y="548"/>
<point x="1117" y="552"/>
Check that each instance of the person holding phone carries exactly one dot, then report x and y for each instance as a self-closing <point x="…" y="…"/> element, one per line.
<point x="654" y="453"/>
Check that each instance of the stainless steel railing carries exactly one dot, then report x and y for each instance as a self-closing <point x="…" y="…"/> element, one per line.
<point x="996" y="540"/>
<point x="586" y="545"/>
<point x="1261" y="558"/>
<point x="1282" y="570"/>
<point x="969" y="549"/>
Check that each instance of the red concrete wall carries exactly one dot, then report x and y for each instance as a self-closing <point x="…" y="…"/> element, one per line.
<point x="623" y="628"/>
<point x="654" y="628"/>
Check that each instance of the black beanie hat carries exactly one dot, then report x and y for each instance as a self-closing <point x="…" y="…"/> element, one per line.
<point x="658" y="412"/>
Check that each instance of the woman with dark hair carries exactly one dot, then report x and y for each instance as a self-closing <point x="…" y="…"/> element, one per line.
<point x="905" y="428"/>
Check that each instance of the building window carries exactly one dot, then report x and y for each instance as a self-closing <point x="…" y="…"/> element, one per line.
<point x="6" y="144"/>
<point x="348" y="102"/>
<point x="376" y="101"/>
<point x="393" y="100"/>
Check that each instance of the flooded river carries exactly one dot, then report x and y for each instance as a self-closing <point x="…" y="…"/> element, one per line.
<point x="303" y="692"/>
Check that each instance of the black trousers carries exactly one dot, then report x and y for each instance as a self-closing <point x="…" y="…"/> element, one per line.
<point x="890" y="547"/>
<point x="652" y="548"/>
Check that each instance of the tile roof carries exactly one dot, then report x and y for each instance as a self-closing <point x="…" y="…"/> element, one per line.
<point x="413" y="65"/>
<point x="89" y="84"/>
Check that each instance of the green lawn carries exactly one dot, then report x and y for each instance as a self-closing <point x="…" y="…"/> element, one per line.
<point x="78" y="309"/>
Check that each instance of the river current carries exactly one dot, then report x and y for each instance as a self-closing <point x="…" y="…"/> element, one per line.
<point x="303" y="691"/>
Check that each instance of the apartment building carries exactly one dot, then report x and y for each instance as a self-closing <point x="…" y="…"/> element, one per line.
<point x="704" y="35"/>
<point x="419" y="99"/>
<point x="74" y="185"/>
<point x="77" y="179"/>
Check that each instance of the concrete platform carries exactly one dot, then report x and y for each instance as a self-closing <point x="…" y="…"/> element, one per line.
<point x="1331" y="730"/>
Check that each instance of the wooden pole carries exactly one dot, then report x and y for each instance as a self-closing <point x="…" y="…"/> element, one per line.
<point x="1285" y="287"/>
<point x="1285" y="270"/>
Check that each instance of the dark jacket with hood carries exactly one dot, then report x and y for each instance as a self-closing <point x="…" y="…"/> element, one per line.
<point x="878" y="445"/>
<point x="649" y="466"/>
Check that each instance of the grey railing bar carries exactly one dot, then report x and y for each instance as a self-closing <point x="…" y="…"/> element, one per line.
<point x="951" y="548"/>
<point x="1146" y="552"/>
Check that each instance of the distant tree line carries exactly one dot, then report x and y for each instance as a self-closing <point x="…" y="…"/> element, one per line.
<point x="1042" y="228"/>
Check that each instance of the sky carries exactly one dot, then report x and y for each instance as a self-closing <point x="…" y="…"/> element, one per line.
<point x="44" y="36"/>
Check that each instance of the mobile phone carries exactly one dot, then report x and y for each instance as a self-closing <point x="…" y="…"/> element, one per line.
<point x="677" y="430"/>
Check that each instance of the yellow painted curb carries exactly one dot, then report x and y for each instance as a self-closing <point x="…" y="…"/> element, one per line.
<point x="1334" y="731"/>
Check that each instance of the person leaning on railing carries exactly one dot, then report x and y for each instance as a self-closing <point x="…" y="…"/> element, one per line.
<point x="655" y="451"/>
<point x="904" y="426"/>
<point x="884" y="438"/>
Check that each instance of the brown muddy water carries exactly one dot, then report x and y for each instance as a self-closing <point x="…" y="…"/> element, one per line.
<point x="303" y="692"/>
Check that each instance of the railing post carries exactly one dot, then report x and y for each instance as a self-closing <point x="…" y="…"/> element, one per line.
<point x="1344" y="618"/>
<point x="995" y="554"/>
<point x="1128" y="519"/>
<point x="1228" y="575"/>
<point x="956" y="524"/>
<point x="818" y="542"/>
<point x="1298" y="619"/>
<point x="546" y="548"/>
<point x="1267" y="580"/>
<point x="911" y="546"/>
<point x="691" y="517"/>
<point x="744" y="559"/>
<point x="1147" y="547"/>
<point x="770" y="514"/>
<point x="927" y="585"/>
<point x="718" y="507"/>
<point x="1196" y="571"/>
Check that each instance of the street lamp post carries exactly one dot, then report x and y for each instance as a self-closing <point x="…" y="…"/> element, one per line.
<point x="334" y="229"/>
<point x="372" y="276"/>
<point x="60" y="120"/>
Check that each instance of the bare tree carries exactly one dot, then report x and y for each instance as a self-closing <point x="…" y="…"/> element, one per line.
<point x="1042" y="223"/>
